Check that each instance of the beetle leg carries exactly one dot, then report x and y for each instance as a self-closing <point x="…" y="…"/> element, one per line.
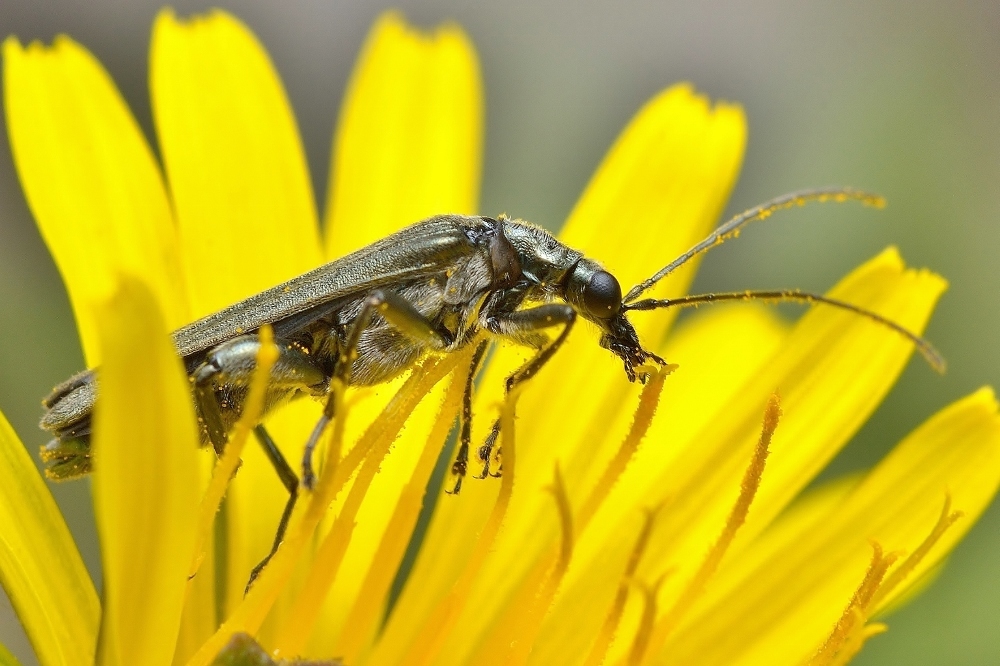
<point x="291" y="483"/>
<point x="461" y="464"/>
<point x="520" y="325"/>
<point x="230" y="367"/>
<point x="405" y="318"/>
<point x="487" y="454"/>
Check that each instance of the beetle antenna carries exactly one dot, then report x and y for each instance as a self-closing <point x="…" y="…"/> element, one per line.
<point x="732" y="228"/>
<point x="926" y="349"/>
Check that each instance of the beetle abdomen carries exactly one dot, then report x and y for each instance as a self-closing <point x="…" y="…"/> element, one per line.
<point x="70" y="406"/>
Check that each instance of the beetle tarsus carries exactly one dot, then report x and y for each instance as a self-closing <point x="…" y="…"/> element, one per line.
<point x="486" y="450"/>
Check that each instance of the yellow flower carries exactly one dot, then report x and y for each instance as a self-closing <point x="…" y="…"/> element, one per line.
<point x="617" y="535"/>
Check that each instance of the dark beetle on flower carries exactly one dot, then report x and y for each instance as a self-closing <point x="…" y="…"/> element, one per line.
<point x="432" y="288"/>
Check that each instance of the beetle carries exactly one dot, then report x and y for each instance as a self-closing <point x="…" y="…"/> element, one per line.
<point x="431" y="288"/>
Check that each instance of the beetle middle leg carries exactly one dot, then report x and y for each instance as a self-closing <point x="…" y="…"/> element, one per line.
<point x="402" y="316"/>
<point x="226" y="372"/>
<point x="461" y="463"/>
<point x="520" y="325"/>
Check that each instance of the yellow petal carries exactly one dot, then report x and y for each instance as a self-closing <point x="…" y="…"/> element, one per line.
<point x="414" y="455"/>
<point x="831" y="374"/>
<point x="237" y="171"/>
<point x="146" y="480"/>
<point x="718" y="351"/>
<point x="200" y="615"/>
<point x="6" y="658"/>
<point x="90" y="179"/>
<point x="409" y="140"/>
<point x="760" y="613"/>
<point x="40" y="567"/>
<point x="661" y="187"/>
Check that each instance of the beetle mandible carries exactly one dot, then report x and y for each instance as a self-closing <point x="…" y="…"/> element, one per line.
<point x="432" y="287"/>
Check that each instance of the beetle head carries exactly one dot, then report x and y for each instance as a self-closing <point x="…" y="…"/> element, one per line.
<point x="597" y="296"/>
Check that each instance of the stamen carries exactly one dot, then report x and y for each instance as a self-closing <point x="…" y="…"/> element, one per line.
<point x="250" y="613"/>
<point x="748" y="490"/>
<point x="363" y="620"/>
<point x="599" y="649"/>
<point x="521" y="638"/>
<point x="854" y="616"/>
<point x="326" y="563"/>
<point x="857" y="639"/>
<point x="441" y="620"/>
<point x="558" y="489"/>
<point x="851" y="631"/>
<point x="225" y="467"/>
<point x="645" y="633"/>
<point x="946" y="519"/>
<point x="649" y="399"/>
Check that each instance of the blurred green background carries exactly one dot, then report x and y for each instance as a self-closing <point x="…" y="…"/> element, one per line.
<point x="899" y="97"/>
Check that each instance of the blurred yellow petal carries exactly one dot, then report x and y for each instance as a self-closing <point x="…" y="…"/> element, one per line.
<point x="237" y="171"/>
<point x="40" y="566"/>
<point x="90" y="179"/>
<point x="409" y="140"/>
<point x="760" y="614"/>
<point x="146" y="480"/>
<point x="200" y="614"/>
<point x="6" y="658"/>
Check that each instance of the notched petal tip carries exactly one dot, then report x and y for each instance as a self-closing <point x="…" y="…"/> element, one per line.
<point x="11" y="46"/>
<point x="985" y="398"/>
<point x="411" y="123"/>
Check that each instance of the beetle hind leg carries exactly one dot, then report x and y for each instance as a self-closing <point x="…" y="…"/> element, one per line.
<point x="291" y="483"/>
<point x="226" y="372"/>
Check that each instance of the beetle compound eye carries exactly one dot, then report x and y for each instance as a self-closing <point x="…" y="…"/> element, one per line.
<point x="603" y="295"/>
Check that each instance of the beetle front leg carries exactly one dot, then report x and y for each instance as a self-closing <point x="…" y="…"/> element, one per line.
<point x="402" y="316"/>
<point x="520" y="325"/>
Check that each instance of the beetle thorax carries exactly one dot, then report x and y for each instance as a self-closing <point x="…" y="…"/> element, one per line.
<point x="544" y="260"/>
